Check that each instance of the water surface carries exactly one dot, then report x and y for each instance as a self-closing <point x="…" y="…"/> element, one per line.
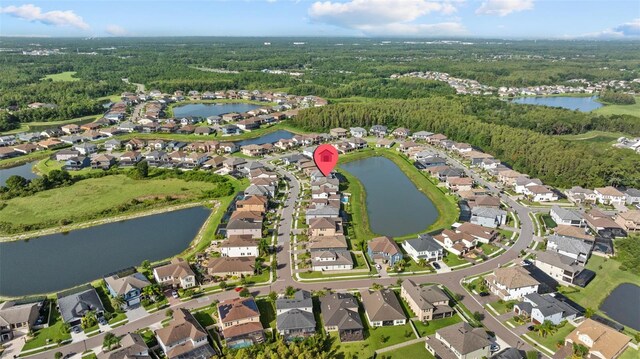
<point x="268" y="138"/>
<point x="622" y="305"/>
<point x="59" y="261"/>
<point x="25" y="170"/>
<point x="584" y="104"/>
<point x="394" y="205"/>
<point x="211" y="109"/>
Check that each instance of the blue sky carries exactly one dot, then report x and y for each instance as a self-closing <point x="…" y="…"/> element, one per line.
<point x="374" y="18"/>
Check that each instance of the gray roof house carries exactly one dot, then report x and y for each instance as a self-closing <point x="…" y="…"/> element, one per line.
<point x="295" y="316"/>
<point x="632" y="195"/>
<point x="544" y="307"/>
<point x="488" y="216"/>
<point x="322" y="212"/>
<point x="127" y="285"/>
<point x="340" y="313"/>
<point x="459" y="341"/>
<point x="382" y="308"/>
<point x="567" y="216"/>
<point x="558" y="266"/>
<point x="75" y="303"/>
<point x="570" y="247"/>
<point x="423" y="247"/>
<point x="358" y="132"/>
<point x="331" y="260"/>
<point x="132" y="346"/>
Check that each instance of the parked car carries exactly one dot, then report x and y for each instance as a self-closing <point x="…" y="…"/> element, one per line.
<point x="102" y="321"/>
<point x="494" y="348"/>
<point x="435" y="265"/>
<point x="483" y="294"/>
<point x="174" y="294"/>
<point x="238" y="289"/>
<point x="76" y="329"/>
<point x="530" y="328"/>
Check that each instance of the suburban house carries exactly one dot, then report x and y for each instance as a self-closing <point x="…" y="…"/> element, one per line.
<point x="423" y="247"/>
<point x="340" y="313"/>
<point x="327" y="243"/>
<point x="574" y="232"/>
<point x="603" y="342"/>
<point x="127" y="286"/>
<point x="86" y="148"/>
<point x="428" y="302"/>
<point x="338" y="132"/>
<point x="511" y="283"/>
<point x="177" y="274"/>
<point x="632" y="196"/>
<point x="401" y="132"/>
<point x="603" y="223"/>
<point x="609" y="195"/>
<point x="102" y="161"/>
<point x="571" y="247"/>
<point x="358" y="132"/>
<point x="488" y="217"/>
<point x="629" y="220"/>
<point x="480" y="233"/>
<point x="580" y="195"/>
<point x="17" y="317"/>
<point x="521" y="183"/>
<point x="184" y="337"/>
<point x="544" y="307"/>
<point x="559" y="267"/>
<point x="321" y="212"/>
<point x="239" y="246"/>
<point x="244" y="227"/>
<point x="331" y="260"/>
<point x="240" y="322"/>
<point x="457" y="243"/>
<point x="384" y="249"/>
<point x="75" y="303"/>
<point x="231" y="266"/>
<point x="294" y="316"/>
<point x="460" y="341"/>
<point x="132" y="346"/>
<point x="567" y="216"/>
<point x="422" y="135"/>
<point x="382" y="308"/>
<point x="253" y="203"/>
<point x="378" y="130"/>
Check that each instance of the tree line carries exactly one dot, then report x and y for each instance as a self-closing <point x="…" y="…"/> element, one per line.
<point x="555" y="161"/>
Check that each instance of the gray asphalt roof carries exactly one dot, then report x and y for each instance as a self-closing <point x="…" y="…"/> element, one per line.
<point x="424" y="242"/>
<point x="295" y="319"/>
<point x="73" y="306"/>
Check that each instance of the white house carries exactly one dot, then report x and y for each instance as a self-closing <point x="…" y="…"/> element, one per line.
<point x="176" y="274"/>
<point x="358" y="132"/>
<point x="423" y="247"/>
<point x="239" y="246"/>
<point x="523" y="182"/>
<point x="540" y="193"/>
<point x="541" y="308"/>
<point x="511" y="283"/>
<point x="567" y="216"/>
<point x="331" y="260"/>
<point x="609" y="195"/>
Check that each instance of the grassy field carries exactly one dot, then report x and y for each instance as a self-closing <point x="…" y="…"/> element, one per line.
<point x="633" y="110"/>
<point x="92" y="196"/>
<point x="41" y="125"/>
<point x="54" y="332"/>
<point x="375" y="339"/>
<point x="501" y="306"/>
<point x="550" y="340"/>
<point x="597" y="138"/>
<point x="630" y="353"/>
<point x="446" y="205"/>
<point x="411" y="351"/>
<point x="63" y="76"/>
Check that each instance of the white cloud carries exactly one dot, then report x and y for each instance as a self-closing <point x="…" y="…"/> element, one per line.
<point x="387" y="17"/>
<point x="116" y="30"/>
<point x="503" y="7"/>
<point x="629" y="29"/>
<point x="34" y="13"/>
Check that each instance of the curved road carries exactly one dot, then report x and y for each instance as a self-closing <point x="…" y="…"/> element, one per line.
<point x="451" y="280"/>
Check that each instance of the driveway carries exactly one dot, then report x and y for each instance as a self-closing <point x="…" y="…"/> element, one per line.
<point x="13" y="347"/>
<point x="136" y="313"/>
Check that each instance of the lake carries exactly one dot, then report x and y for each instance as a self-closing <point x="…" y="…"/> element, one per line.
<point x="211" y="109"/>
<point x="622" y="305"/>
<point x="394" y="205"/>
<point x="584" y="104"/>
<point x="268" y="138"/>
<point x="25" y="170"/>
<point x="59" y="261"/>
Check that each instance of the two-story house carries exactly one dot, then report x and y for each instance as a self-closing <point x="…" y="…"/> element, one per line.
<point x="340" y="313"/>
<point x="423" y="247"/>
<point x="240" y="322"/>
<point x="294" y="316"/>
<point x="127" y="285"/>
<point x="184" y="337"/>
<point x="460" y="341"/>
<point x="177" y="274"/>
<point x="511" y="283"/>
<point x="385" y="250"/>
<point x="428" y="302"/>
<point x="239" y="246"/>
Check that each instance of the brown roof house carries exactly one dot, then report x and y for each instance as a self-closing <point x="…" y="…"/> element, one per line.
<point x="602" y="341"/>
<point x="382" y="308"/>
<point x="240" y="322"/>
<point x="459" y="341"/>
<point x="427" y="302"/>
<point x="184" y="338"/>
<point x="132" y="346"/>
<point x="629" y="220"/>
<point x="385" y="250"/>
<point x="231" y="266"/>
<point x="15" y="317"/>
<point x="176" y="274"/>
<point x="340" y="313"/>
<point x="511" y="283"/>
<point x="253" y="203"/>
<point x="127" y="286"/>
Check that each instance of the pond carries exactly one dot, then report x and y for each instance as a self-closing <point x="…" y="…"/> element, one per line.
<point x="622" y="305"/>
<point x="584" y="104"/>
<point x="25" y="170"/>
<point x="211" y="109"/>
<point x="59" y="261"/>
<point x="394" y="205"/>
<point x="268" y="138"/>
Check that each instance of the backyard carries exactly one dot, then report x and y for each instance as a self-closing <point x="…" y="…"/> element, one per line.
<point x="430" y="327"/>
<point x="416" y="350"/>
<point x="56" y="332"/>
<point x="374" y="339"/>
<point x="551" y="340"/>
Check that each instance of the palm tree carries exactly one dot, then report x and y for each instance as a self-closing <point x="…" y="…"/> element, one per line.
<point x="589" y="312"/>
<point x="118" y="301"/>
<point x="546" y="328"/>
<point x="110" y="341"/>
<point x="422" y="262"/>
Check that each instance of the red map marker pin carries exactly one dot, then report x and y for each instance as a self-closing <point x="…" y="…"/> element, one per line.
<point x="325" y="156"/>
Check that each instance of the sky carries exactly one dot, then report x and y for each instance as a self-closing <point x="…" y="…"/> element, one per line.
<point x="517" y="19"/>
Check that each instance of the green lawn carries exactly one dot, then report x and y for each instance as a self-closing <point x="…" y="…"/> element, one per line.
<point x="53" y="333"/>
<point x="414" y="351"/>
<point x="452" y="260"/>
<point x="374" y="339"/>
<point x="488" y="248"/>
<point x="90" y="197"/>
<point x="548" y="221"/>
<point x="63" y="76"/>
<point x="205" y="317"/>
<point x="429" y="328"/>
<point x="267" y="313"/>
<point x="633" y="110"/>
<point x="630" y="353"/>
<point x="118" y="318"/>
<point x="501" y="306"/>
<point x="550" y="340"/>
